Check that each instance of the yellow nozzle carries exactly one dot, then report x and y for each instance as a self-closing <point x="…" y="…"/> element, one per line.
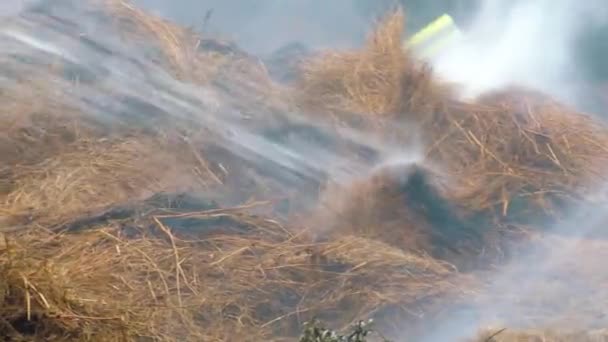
<point x="432" y="38"/>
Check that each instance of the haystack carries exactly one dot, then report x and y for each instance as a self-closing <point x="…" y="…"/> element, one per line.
<point x="192" y="57"/>
<point x="59" y="160"/>
<point x="509" y="160"/>
<point x="176" y="45"/>
<point x="404" y="206"/>
<point x="206" y="275"/>
<point x="521" y="158"/>
<point x="92" y="176"/>
<point x="380" y="79"/>
<point x="98" y="285"/>
<point x="93" y="248"/>
<point x="35" y="124"/>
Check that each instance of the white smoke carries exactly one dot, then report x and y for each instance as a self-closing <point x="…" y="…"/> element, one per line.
<point x="529" y="43"/>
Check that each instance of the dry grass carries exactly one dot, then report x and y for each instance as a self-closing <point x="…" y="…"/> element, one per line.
<point x="508" y="157"/>
<point x="403" y="206"/>
<point x="167" y="273"/>
<point x="376" y="208"/>
<point x="35" y="123"/>
<point x="381" y="79"/>
<point x="100" y="286"/>
<point x="505" y="154"/>
<point x="244" y="277"/>
<point x="93" y="175"/>
<point x="176" y="44"/>
<point x="115" y="283"/>
<point x="185" y="52"/>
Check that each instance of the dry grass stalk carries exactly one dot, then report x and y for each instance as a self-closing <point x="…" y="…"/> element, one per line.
<point x="381" y="79"/>
<point x="526" y="154"/>
<point x="95" y="174"/>
<point x="101" y="286"/>
<point x="177" y="46"/>
<point x="237" y="276"/>
<point x="35" y="123"/>
<point x="379" y="208"/>
<point x="247" y="286"/>
<point x="188" y="56"/>
<point x="504" y="156"/>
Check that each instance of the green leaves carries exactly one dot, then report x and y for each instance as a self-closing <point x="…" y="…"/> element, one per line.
<point x="315" y="332"/>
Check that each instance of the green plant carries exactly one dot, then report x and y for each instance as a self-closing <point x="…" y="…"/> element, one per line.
<point x="315" y="332"/>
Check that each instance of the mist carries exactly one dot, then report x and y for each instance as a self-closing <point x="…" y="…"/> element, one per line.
<point x="523" y="43"/>
<point x="550" y="285"/>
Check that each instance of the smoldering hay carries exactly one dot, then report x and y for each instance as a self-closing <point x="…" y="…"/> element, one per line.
<point x="157" y="185"/>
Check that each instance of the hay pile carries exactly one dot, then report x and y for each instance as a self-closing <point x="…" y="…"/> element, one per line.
<point x="381" y="79"/>
<point x="405" y="206"/>
<point x="513" y="153"/>
<point x="199" y="59"/>
<point x="93" y="248"/>
<point x="522" y="158"/>
<point x="122" y="233"/>
<point x="212" y="275"/>
<point x="177" y="47"/>
<point x="92" y="176"/>
<point x="34" y="124"/>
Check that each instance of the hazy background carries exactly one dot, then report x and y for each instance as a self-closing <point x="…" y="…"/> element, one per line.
<point x="263" y="26"/>
<point x="524" y="42"/>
